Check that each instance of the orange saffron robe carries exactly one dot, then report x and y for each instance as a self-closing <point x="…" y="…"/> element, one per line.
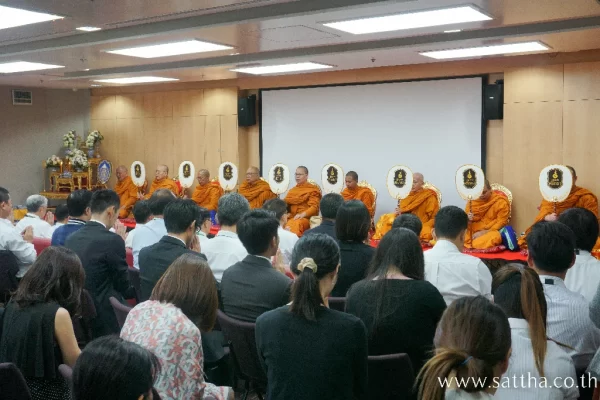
<point x="363" y="194"/>
<point x="491" y="215"/>
<point x="424" y="204"/>
<point x="579" y="198"/>
<point x="256" y="193"/>
<point x="302" y="198"/>
<point x="208" y="196"/>
<point x="163" y="184"/>
<point x="128" y="193"/>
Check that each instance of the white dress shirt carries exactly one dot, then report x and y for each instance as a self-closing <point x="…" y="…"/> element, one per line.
<point x="456" y="274"/>
<point x="147" y="235"/>
<point x="557" y="366"/>
<point x="41" y="229"/>
<point x="287" y="241"/>
<point x="130" y="235"/>
<point x="223" y="251"/>
<point x="203" y="240"/>
<point x="568" y="321"/>
<point x="11" y="239"/>
<point x="584" y="276"/>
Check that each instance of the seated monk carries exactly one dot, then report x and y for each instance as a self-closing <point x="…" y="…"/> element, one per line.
<point x="355" y="192"/>
<point x="421" y="202"/>
<point x="303" y="202"/>
<point x="207" y="193"/>
<point x="255" y="190"/>
<point x="579" y="197"/>
<point x="127" y="191"/>
<point x="487" y="215"/>
<point x="162" y="181"/>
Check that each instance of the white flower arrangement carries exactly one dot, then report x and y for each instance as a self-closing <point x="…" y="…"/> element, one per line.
<point x="69" y="139"/>
<point x="93" y="138"/>
<point x="53" y="161"/>
<point x="77" y="158"/>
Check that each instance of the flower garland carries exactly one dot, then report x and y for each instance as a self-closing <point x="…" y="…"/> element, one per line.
<point x="53" y="161"/>
<point x="93" y="138"/>
<point x="69" y="140"/>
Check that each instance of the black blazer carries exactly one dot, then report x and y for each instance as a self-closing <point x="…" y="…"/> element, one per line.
<point x="252" y="287"/>
<point x="326" y="227"/>
<point x="355" y="259"/>
<point x="102" y="254"/>
<point x="154" y="261"/>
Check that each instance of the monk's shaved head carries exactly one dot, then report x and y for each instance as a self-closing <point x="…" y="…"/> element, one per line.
<point x="163" y="167"/>
<point x="351" y="180"/>
<point x="303" y="168"/>
<point x="121" y="172"/>
<point x="572" y="171"/>
<point x="162" y="172"/>
<point x="203" y="177"/>
<point x="204" y="173"/>
<point x="121" y="168"/>
<point x="418" y="181"/>
<point x="487" y="184"/>
<point x="252" y="174"/>
<point x="301" y="174"/>
<point x="487" y="191"/>
<point x="352" y="175"/>
<point x="418" y="176"/>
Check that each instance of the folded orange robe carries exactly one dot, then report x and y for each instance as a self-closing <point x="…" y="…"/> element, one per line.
<point x="302" y="198"/>
<point x="491" y="215"/>
<point x="424" y="204"/>
<point x="256" y="193"/>
<point x="579" y="197"/>
<point x="363" y="194"/>
<point x="128" y="193"/>
<point x="163" y="184"/>
<point x="208" y="195"/>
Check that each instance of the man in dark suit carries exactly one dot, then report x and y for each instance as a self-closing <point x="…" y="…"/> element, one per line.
<point x="252" y="286"/>
<point x="330" y="204"/>
<point x="102" y="254"/>
<point x="180" y="220"/>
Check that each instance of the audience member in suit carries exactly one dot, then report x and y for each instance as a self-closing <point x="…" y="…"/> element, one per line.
<point x="203" y="225"/>
<point x="113" y="368"/>
<point x="330" y="204"/>
<point x="37" y="333"/>
<point x="408" y="221"/>
<point x="20" y="244"/>
<point x="352" y="225"/>
<point x="180" y="220"/>
<point x="399" y="307"/>
<point x="308" y="351"/>
<point x="61" y="213"/>
<point x="252" y="286"/>
<point x="287" y="239"/>
<point x="102" y="254"/>
<point x="143" y="215"/>
<point x="183" y="304"/>
<point x="154" y="230"/>
<point x="78" y="204"/>
<point x="473" y="344"/>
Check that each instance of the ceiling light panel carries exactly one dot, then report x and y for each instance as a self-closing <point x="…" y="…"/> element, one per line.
<point x="11" y="17"/>
<point x="24" y="66"/>
<point x="170" y="49"/>
<point x="481" y="51"/>
<point x="88" y="28"/>
<point x="281" y="69"/>
<point x="136" y="79"/>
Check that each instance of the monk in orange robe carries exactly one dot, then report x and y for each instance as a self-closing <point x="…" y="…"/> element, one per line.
<point x="355" y="192"/>
<point x="207" y="193"/>
<point x="127" y="191"/>
<point x="421" y="202"/>
<point x="162" y="181"/>
<point x="579" y="197"/>
<point x="255" y="190"/>
<point x="303" y="202"/>
<point x="487" y="215"/>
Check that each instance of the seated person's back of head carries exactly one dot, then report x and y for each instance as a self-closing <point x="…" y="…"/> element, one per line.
<point x="252" y="286"/>
<point x="61" y="213"/>
<point x="408" y="221"/>
<point x="329" y="206"/>
<point x="78" y="205"/>
<point x="142" y="212"/>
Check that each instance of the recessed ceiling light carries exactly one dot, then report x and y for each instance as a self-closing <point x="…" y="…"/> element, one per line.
<point x="171" y="49"/>
<point x="11" y="17"/>
<point x="413" y="20"/>
<point x="87" y="69"/>
<point x="453" y="31"/>
<point x="280" y="69"/>
<point x="88" y="28"/>
<point x="136" y="79"/>
<point x="24" y="66"/>
<point x="510" y="48"/>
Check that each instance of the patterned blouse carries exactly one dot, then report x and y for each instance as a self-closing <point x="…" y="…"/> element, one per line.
<point x="163" y="329"/>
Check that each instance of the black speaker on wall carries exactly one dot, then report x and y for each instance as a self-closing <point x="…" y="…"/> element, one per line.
<point x="247" y="111"/>
<point x="493" y="101"/>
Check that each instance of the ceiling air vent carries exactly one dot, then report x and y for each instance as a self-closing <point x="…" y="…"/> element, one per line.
<point x="22" y="98"/>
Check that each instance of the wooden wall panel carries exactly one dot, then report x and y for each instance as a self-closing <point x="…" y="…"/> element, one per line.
<point x="582" y="81"/>
<point x="229" y="139"/>
<point x="221" y="101"/>
<point x="102" y="107"/>
<point x="213" y="156"/>
<point x="158" y="104"/>
<point x="495" y="151"/>
<point x="130" y="141"/>
<point x="129" y="106"/>
<point x="189" y="140"/>
<point x="183" y="102"/>
<point x="531" y="84"/>
<point x="158" y="142"/>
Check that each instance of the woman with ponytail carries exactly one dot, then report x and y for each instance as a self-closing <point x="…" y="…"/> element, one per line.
<point x="308" y="351"/>
<point x="472" y="347"/>
<point x="519" y="292"/>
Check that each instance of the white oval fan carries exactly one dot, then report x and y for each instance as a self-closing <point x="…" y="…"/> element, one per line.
<point x="556" y="182"/>
<point x="332" y="178"/>
<point x="470" y="181"/>
<point x="138" y="173"/>
<point x="399" y="181"/>
<point x="187" y="174"/>
<point x="228" y="176"/>
<point x="279" y="178"/>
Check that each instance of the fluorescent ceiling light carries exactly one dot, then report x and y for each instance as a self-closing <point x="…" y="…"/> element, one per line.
<point x="279" y="69"/>
<point x="24" y="66"/>
<point x="413" y="20"/>
<point x="171" y="49"/>
<point x="88" y="28"/>
<point x="453" y="30"/>
<point x="136" y="79"/>
<point x="510" y="48"/>
<point x="11" y="17"/>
